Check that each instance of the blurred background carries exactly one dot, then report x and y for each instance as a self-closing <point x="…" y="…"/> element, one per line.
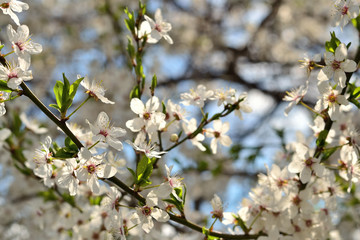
<point x="250" y="45"/>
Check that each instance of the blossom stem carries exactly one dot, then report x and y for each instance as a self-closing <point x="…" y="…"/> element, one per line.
<point x="87" y="99"/>
<point x="93" y="145"/>
<point x="8" y="54"/>
<point x="307" y="106"/>
<point x="212" y="225"/>
<point x="254" y="220"/>
<point x="11" y="98"/>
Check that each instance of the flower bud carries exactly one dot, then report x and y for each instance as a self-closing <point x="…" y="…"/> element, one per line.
<point x="174" y="137"/>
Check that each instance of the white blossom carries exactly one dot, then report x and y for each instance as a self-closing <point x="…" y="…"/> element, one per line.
<point x="32" y="124"/>
<point x="10" y="6"/>
<point x="95" y="89"/>
<point x="344" y="11"/>
<point x="105" y="133"/>
<point x="14" y="75"/>
<point x="149" y="118"/>
<point x="91" y="168"/>
<point x="295" y="96"/>
<point x="336" y="65"/>
<point x="155" y="30"/>
<point x="23" y="45"/>
<point x="196" y="97"/>
<point x="218" y="134"/>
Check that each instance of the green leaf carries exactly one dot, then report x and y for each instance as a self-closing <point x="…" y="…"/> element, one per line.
<point x="153" y="82"/>
<point x="133" y="174"/>
<point x="58" y="91"/>
<point x="131" y="49"/>
<point x="4" y="87"/>
<point x="135" y="92"/>
<point x="70" y="144"/>
<point x="141" y="168"/>
<point x="320" y="142"/>
<point x="74" y="87"/>
<point x="55" y="106"/>
<point x="328" y="152"/>
<point x="65" y="95"/>
<point x="334" y="42"/>
<point x="130" y="23"/>
<point x="356" y="23"/>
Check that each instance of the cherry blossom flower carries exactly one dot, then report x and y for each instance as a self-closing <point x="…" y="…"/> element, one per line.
<point x="14" y="75"/>
<point x="95" y="89"/>
<point x="42" y="163"/>
<point x="305" y="164"/>
<point x="217" y="206"/>
<point x="295" y="96"/>
<point x="190" y="127"/>
<point x="174" y="114"/>
<point x="22" y="44"/>
<point x="310" y="62"/>
<point x="144" y="215"/>
<point x="196" y="97"/>
<point x="242" y="106"/>
<point x="218" y="134"/>
<point x="155" y="29"/>
<point x="103" y="132"/>
<point x="331" y="99"/>
<point x="32" y="124"/>
<point x="149" y="118"/>
<point x="111" y="201"/>
<point x="91" y="168"/>
<point x="166" y="188"/>
<point x="336" y="65"/>
<point x="146" y="148"/>
<point x="349" y="165"/>
<point x="223" y="96"/>
<point x="66" y="177"/>
<point x="10" y="6"/>
<point x="344" y="11"/>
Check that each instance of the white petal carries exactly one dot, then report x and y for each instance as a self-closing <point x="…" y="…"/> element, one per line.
<point x="348" y="65"/>
<point x="102" y="120"/>
<point x="137" y="106"/>
<point x="106" y="171"/>
<point x="160" y="215"/>
<point x="341" y="52"/>
<point x="325" y="73"/>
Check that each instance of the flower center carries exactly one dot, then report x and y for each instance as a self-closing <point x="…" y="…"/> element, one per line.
<point x="280" y="183"/>
<point x="91" y="168"/>
<point x="12" y="75"/>
<point x="296" y="200"/>
<point x="345" y="10"/>
<point x="309" y="162"/>
<point x="216" y="134"/>
<point x="147" y="116"/>
<point x="335" y="64"/>
<point x="20" y="45"/>
<point x="332" y="98"/>
<point x="104" y="133"/>
<point x="146" y="211"/>
<point x="157" y="27"/>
